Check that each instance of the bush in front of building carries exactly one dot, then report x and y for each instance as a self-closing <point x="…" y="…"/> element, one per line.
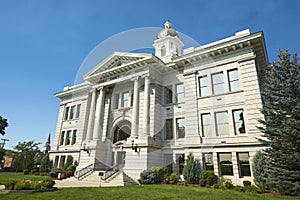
<point x="251" y="189"/>
<point x="159" y="174"/>
<point x="172" y="179"/>
<point x="55" y="171"/>
<point x="191" y="170"/>
<point x="35" y="185"/>
<point x="259" y="168"/>
<point x="208" y="178"/>
<point x="239" y="188"/>
<point x="225" y="183"/>
<point x="22" y="185"/>
<point x="48" y="183"/>
<point x="146" y="177"/>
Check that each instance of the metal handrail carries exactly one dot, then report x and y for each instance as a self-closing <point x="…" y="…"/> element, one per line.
<point x="84" y="171"/>
<point x="111" y="171"/>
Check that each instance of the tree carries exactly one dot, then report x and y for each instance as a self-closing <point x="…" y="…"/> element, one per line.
<point x="45" y="164"/>
<point x="3" y="125"/>
<point x="191" y="170"/>
<point x="24" y="155"/>
<point x="259" y="168"/>
<point x="281" y="125"/>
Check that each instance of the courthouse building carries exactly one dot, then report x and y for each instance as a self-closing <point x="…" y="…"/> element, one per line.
<point x="135" y="111"/>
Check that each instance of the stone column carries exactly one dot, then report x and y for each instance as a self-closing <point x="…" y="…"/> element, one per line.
<point x="146" y="105"/>
<point x="97" y="133"/>
<point x="135" y="109"/>
<point x="90" y="127"/>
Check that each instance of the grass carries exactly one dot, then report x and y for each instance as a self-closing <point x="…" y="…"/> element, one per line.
<point x="6" y="176"/>
<point x="145" y="192"/>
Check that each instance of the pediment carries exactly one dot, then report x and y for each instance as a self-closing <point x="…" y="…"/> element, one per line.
<point x="116" y="60"/>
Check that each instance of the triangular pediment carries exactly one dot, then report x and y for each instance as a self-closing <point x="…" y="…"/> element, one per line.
<point x="116" y="60"/>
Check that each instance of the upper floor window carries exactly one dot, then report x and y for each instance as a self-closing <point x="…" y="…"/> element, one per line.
<point x="78" y="111"/>
<point x="116" y="101"/>
<point x="67" y="113"/>
<point x="74" y="136"/>
<point x="72" y="112"/>
<point x="218" y="83"/>
<point x="168" y="94"/>
<point x="238" y="121"/>
<point x="180" y="127"/>
<point x="203" y="86"/>
<point x="163" y="51"/>
<point x="62" y="138"/>
<point x="179" y="93"/>
<point x="169" y="129"/>
<point x="222" y="123"/>
<point x="206" y="125"/>
<point x="68" y="138"/>
<point x="125" y="99"/>
<point x="233" y="80"/>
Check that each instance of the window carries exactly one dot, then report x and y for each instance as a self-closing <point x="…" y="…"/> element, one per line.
<point x="168" y="95"/>
<point x="218" y="83"/>
<point x="131" y="99"/>
<point x="179" y="93"/>
<point x="179" y="163"/>
<point x="72" y="112"/>
<point x="67" y="113"/>
<point x="208" y="161"/>
<point x="222" y="123"/>
<point x="203" y="86"/>
<point x="62" y="137"/>
<point x="233" y="80"/>
<point x="68" y="137"/>
<point x="206" y="125"/>
<point x="62" y="161"/>
<point x="163" y="51"/>
<point x="244" y="165"/>
<point x="225" y="164"/>
<point x="238" y="121"/>
<point x="169" y="162"/>
<point x="74" y="137"/>
<point x="180" y="129"/>
<point x="56" y="161"/>
<point x="78" y="111"/>
<point x="169" y="129"/>
<point x="125" y="99"/>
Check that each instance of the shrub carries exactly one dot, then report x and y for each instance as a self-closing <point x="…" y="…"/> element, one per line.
<point x="34" y="171"/>
<point x="10" y="185"/>
<point x="239" y="188"/>
<point x="202" y="182"/>
<point x="259" y="167"/>
<point x="22" y="185"/>
<point x="68" y="162"/>
<point x="71" y="168"/>
<point x="146" y="177"/>
<point x="191" y="170"/>
<point x="172" y="179"/>
<point x="159" y="174"/>
<point x="69" y="173"/>
<point x="209" y="177"/>
<point x="48" y="183"/>
<point x="54" y="172"/>
<point x="228" y="185"/>
<point x="251" y="189"/>
<point x="246" y="183"/>
<point x="225" y="183"/>
<point x="26" y="171"/>
<point x="35" y="185"/>
<point x="216" y="186"/>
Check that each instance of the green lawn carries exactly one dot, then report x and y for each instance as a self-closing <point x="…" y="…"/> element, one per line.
<point x="5" y="176"/>
<point x="144" y="192"/>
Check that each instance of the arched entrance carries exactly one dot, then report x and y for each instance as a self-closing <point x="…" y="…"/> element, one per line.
<point x="122" y="131"/>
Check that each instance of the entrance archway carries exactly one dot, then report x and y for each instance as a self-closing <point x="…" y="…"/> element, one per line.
<point x="122" y="131"/>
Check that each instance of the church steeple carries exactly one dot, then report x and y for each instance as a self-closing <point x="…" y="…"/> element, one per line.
<point x="168" y="43"/>
<point x="47" y="145"/>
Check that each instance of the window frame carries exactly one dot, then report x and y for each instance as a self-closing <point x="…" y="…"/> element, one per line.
<point x="125" y="100"/>
<point x="181" y="93"/>
<point x="203" y="86"/>
<point x="225" y="165"/>
<point x="66" y="114"/>
<point x="168" y="95"/>
<point x="169" y="124"/>
<point x="203" y="126"/>
<point x="233" y="81"/>
<point x="180" y="135"/>
<point x="78" y="111"/>
<point x="208" y="165"/>
<point x="221" y="74"/>
<point x="218" y="132"/>
<point x="62" y="138"/>
<point x="237" y="130"/>
<point x="74" y="137"/>
<point x="241" y="166"/>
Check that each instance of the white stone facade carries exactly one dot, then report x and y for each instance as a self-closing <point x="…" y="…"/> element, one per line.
<point x="136" y="111"/>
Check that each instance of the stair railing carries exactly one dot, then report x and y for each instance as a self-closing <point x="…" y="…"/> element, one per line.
<point x="111" y="171"/>
<point x="84" y="171"/>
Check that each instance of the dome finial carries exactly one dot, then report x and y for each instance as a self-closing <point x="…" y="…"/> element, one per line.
<point x="168" y="24"/>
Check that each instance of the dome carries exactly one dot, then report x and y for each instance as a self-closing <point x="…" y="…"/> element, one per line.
<point x="168" y="31"/>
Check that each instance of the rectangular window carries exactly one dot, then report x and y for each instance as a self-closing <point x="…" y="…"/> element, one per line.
<point x="78" y="111"/>
<point x="238" y="121"/>
<point x="67" y="113"/>
<point x="68" y="137"/>
<point x="203" y="86"/>
<point x="72" y="112"/>
<point x="225" y="164"/>
<point x="116" y="101"/>
<point x="169" y="162"/>
<point x="233" y="80"/>
<point x="62" y="138"/>
<point x="168" y="95"/>
<point x="222" y="123"/>
<point x="74" y="137"/>
<point x="179" y="93"/>
<point x="125" y="99"/>
<point x="218" y="83"/>
<point x="180" y="127"/>
<point x="206" y="125"/>
<point x="169" y="129"/>
<point x="62" y="161"/>
<point x="244" y="165"/>
<point x="131" y="99"/>
<point x="208" y="161"/>
<point x="56" y="161"/>
<point x="179" y="163"/>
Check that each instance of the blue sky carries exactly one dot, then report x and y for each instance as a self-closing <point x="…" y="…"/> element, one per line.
<point x="43" y="43"/>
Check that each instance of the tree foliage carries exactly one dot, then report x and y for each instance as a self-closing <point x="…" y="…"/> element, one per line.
<point x="45" y="164"/>
<point x="191" y="171"/>
<point x="259" y="168"/>
<point x="24" y="155"/>
<point x="281" y="126"/>
<point x="3" y="125"/>
<point x="68" y="162"/>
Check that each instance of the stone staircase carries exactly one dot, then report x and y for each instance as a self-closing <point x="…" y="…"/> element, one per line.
<point x="93" y="179"/>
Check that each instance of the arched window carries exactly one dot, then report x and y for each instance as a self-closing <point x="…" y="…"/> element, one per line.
<point x="163" y="51"/>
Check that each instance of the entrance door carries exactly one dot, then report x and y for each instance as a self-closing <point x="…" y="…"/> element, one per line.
<point x="121" y="158"/>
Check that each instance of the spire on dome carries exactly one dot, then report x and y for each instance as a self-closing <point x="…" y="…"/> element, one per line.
<point x="168" y="24"/>
<point x="167" y="31"/>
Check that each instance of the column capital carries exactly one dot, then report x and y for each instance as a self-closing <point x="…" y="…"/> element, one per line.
<point x="136" y="78"/>
<point x="100" y="87"/>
